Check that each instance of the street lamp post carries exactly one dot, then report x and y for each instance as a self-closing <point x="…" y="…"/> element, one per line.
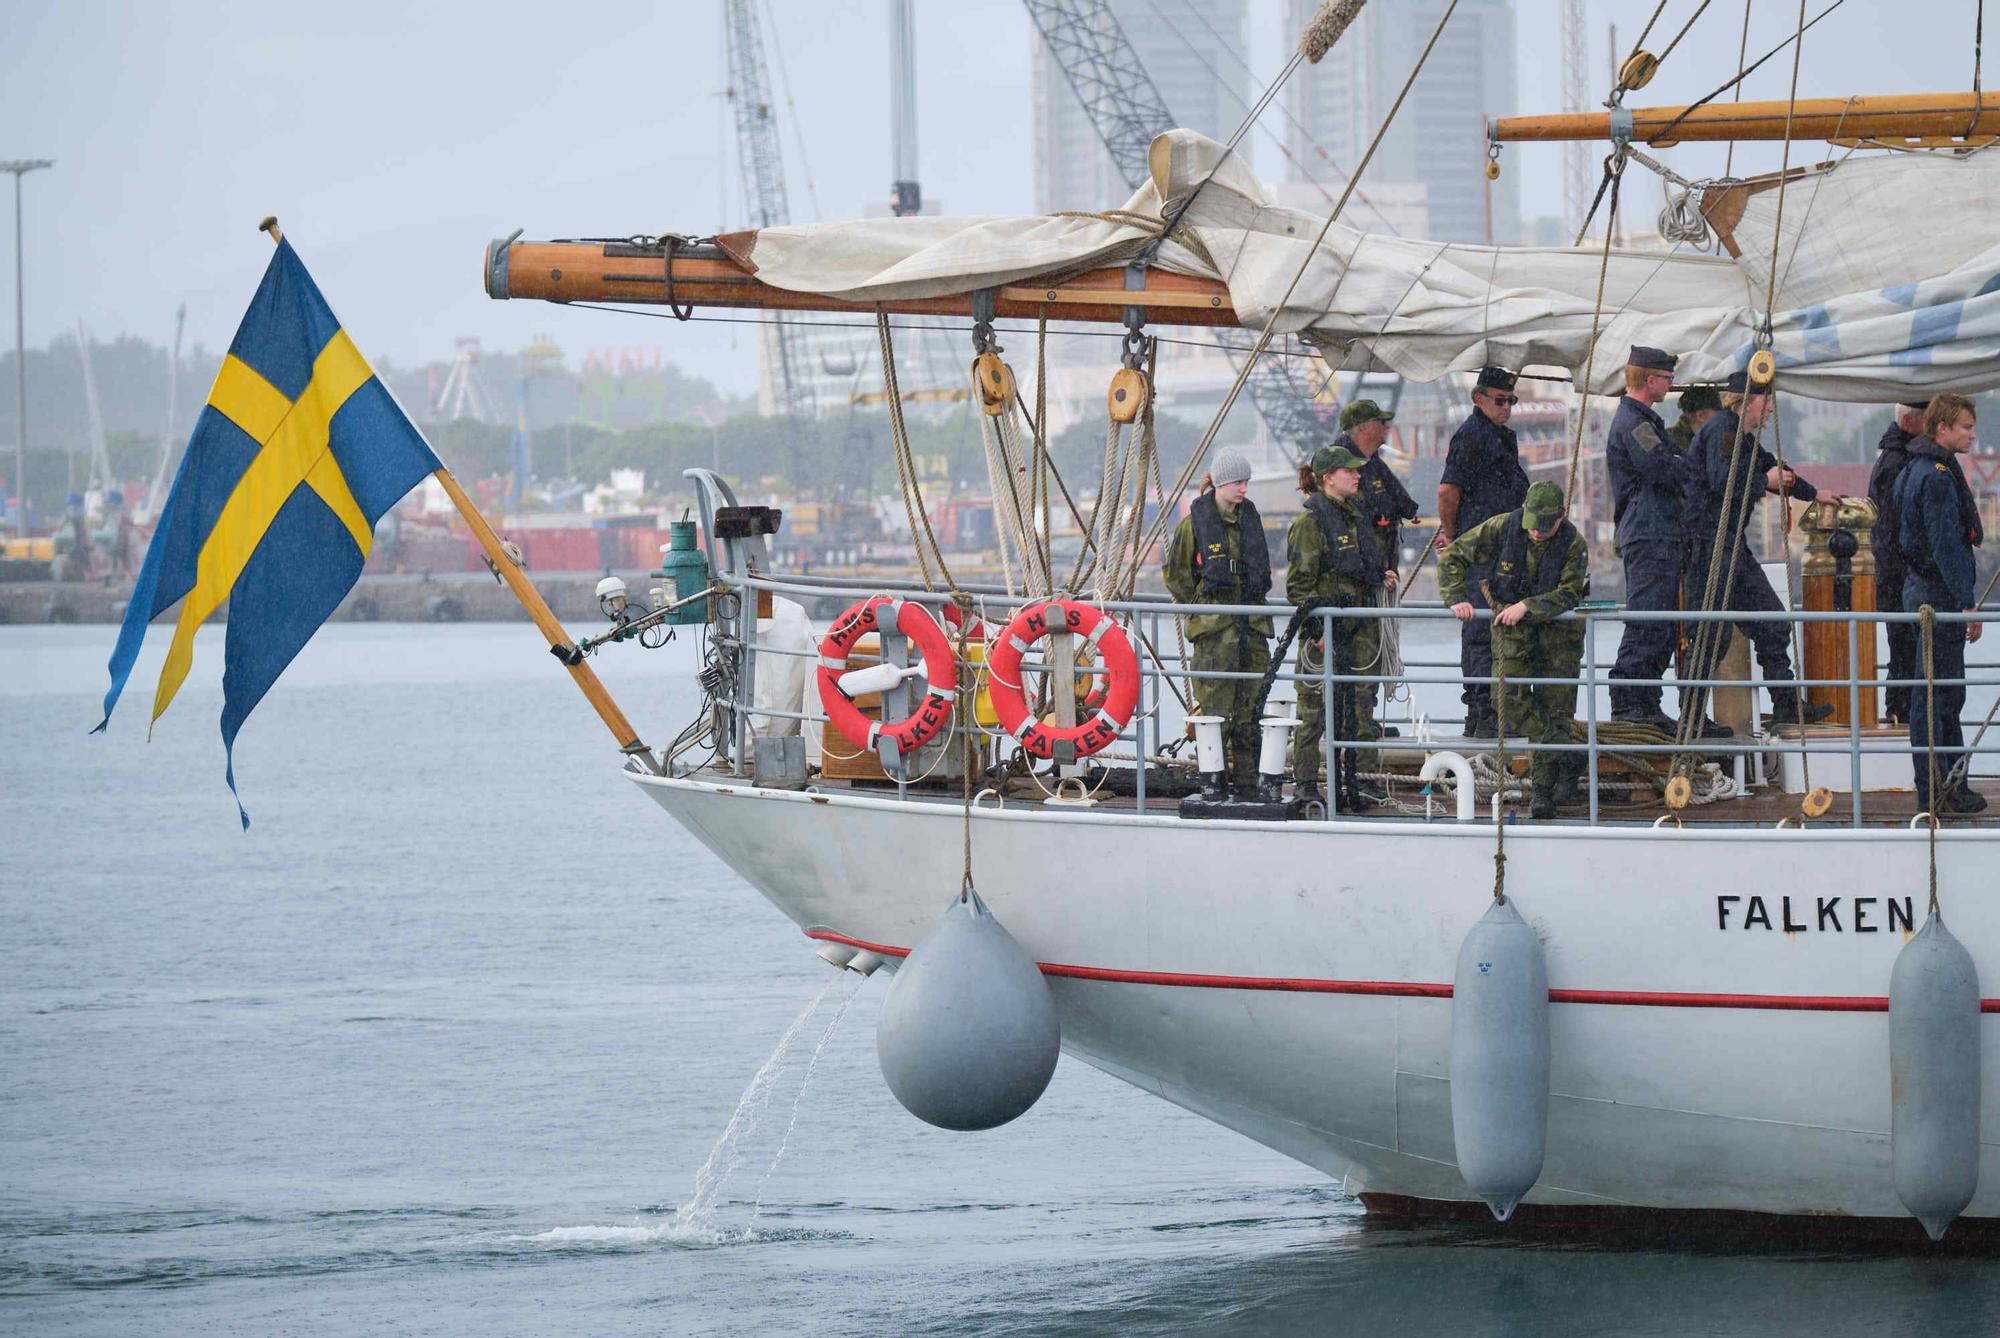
<point x="20" y="167"/>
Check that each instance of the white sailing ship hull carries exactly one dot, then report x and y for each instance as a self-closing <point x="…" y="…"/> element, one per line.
<point x="1720" y="1039"/>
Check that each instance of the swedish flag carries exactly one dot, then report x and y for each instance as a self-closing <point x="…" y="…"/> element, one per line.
<point x="299" y="451"/>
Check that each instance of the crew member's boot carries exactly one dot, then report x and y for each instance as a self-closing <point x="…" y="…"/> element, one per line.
<point x="1963" y="799"/>
<point x="1569" y="769"/>
<point x="1542" y="806"/>
<point x="1789" y="707"/>
<point x="1305" y="793"/>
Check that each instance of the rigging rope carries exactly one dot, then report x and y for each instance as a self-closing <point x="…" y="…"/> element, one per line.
<point x="1506" y="763"/>
<point x="1200" y="452"/>
<point x="1742" y="50"/>
<point x="1615" y="176"/>
<point x="1978" y="50"/>
<point x="1664" y="134"/>
<point x="1699" y="9"/>
<point x="906" y="465"/>
<point x="1728" y="523"/>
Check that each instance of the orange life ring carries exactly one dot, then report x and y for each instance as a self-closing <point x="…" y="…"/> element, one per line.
<point x="1121" y="670"/>
<point x="940" y="667"/>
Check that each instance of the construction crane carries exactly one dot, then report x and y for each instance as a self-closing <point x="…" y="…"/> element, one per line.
<point x="763" y="162"/>
<point x="1126" y="109"/>
<point x="1576" y="88"/>
<point x="461" y="396"/>
<point x="540" y="360"/>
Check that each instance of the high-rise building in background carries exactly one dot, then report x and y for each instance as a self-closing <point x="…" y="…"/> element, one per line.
<point x="1438" y="141"/>
<point x="1193" y="49"/>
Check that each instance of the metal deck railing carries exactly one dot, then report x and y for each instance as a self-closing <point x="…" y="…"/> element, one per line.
<point x="1150" y="621"/>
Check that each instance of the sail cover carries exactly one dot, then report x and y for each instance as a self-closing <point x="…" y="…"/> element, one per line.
<point x="1888" y="289"/>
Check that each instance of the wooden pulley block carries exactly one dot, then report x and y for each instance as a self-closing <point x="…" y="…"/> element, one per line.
<point x="1679" y="790"/>
<point x="1492" y="169"/>
<point x="1638" y="69"/>
<point x="1762" y="371"/>
<point x="1817" y="802"/>
<point x="1129" y="393"/>
<point x="995" y="382"/>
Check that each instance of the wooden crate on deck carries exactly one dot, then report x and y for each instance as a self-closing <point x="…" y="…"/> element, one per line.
<point x="940" y="759"/>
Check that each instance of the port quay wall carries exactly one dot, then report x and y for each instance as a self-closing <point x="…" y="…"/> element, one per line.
<point x="437" y="597"/>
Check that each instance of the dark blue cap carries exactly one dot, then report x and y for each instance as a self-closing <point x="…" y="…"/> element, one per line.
<point x="1495" y="378"/>
<point x="1739" y="384"/>
<point x="1652" y="359"/>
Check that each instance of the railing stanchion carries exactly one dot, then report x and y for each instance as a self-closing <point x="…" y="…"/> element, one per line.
<point x="1854" y="714"/>
<point x="1328" y="717"/>
<point x="746" y="680"/>
<point x="1139" y="730"/>
<point x="1590" y="707"/>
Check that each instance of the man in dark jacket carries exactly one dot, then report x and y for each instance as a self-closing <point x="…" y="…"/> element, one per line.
<point x="1937" y="527"/>
<point x="1892" y="454"/>
<point x="1482" y="478"/>
<point x="1646" y="505"/>
<point x="1727" y="447"/>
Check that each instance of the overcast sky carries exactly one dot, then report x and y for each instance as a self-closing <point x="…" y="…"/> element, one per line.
<point x="393" y="140"/>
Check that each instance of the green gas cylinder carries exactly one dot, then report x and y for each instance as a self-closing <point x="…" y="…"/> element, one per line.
<point x="686" y="566"/>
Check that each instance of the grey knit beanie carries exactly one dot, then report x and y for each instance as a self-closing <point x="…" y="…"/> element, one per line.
<point x="1232" y="465"/>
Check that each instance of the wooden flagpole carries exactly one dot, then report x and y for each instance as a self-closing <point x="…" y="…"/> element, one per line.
<point x="538" y="608"/>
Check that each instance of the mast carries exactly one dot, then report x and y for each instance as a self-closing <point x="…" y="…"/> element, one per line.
<point x="906" y="197"/>
<point x="763" y="162"/>
<point x="154" y="502"/>
<point x="100" y="459"/>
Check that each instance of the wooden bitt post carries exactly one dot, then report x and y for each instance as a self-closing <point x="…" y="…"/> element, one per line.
<point x="1821" y="580"/>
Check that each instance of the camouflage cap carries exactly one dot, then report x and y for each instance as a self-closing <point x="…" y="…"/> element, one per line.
<point x="1335" y="457"/>
<point x="1363" y="411"/>
<point x="1696" y="398"/>
<point x="1544" y="508"/>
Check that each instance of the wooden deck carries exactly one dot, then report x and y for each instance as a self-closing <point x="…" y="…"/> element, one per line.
<point x="1762" y="807"/>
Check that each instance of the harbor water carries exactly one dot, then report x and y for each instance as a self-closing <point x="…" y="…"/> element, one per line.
<point x="463" y="1036"/>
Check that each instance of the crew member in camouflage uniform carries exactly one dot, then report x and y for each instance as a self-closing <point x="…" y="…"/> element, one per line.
<point x="1331" y="553"/>
<point x="1219" y="556"/>
<point x="1540" y="569"/>
<point x="1697" y="405"/>
<point x="1364" y="426"/>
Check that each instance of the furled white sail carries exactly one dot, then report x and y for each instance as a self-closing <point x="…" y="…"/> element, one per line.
<point x="1889" y="285"/>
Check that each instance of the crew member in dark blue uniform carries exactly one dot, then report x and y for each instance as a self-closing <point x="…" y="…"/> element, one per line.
<point x="1646" y="492"/>
<point x="1482" y="478"/>
<point x="1937" y="527"/>
<point x="1726" y="445"/>
<point x="1892" y="454"/>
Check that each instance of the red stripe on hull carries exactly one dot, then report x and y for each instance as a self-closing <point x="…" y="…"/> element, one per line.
<point x="1796" y="1003"/>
